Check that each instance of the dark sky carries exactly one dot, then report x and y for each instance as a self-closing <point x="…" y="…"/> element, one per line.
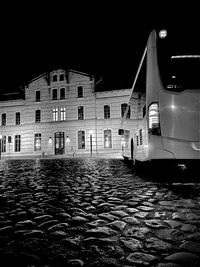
<point x="99" y="38"/>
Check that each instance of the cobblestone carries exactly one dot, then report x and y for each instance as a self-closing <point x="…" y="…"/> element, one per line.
<point x="95" y="212"/>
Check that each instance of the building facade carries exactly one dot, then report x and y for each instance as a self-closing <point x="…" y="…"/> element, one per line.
<point x="62" y="114"/>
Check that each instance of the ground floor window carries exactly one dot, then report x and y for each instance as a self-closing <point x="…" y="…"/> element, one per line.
<point x="107" y="139"/>
<point x="37" y="142"/>
<point x="81" y="139"/>
<point x="3" y="144"/>
<point x="17" y="143"/>
<point x="125" y="139"/>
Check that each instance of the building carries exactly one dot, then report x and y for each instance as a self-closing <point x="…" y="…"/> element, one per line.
<point x="62" y="113"/>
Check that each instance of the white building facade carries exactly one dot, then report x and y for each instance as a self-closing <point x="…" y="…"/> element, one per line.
<point x="62" y="114"/>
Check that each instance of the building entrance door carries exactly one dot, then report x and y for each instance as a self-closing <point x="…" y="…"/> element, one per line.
<point x="59" y="138"/>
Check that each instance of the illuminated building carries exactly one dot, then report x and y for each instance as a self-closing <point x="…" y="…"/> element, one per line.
<point x="61" y="113"/>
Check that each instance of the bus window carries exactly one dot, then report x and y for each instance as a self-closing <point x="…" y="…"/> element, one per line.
<point x="179" y="66"/>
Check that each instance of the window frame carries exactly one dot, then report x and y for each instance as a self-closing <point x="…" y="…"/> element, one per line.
<point x="39" y="137"/>
<point x="81" y="113"/>
<point x="110" y="141"/>
<point x="82" y="91"/>
<point x="55" y="114"/>
<point x="64" y="89"/>
<point x="62" y="113"/>
<point x="52" y="93"/>
<point x="106" y="112"/>
<point x="37" y="114"/>
<point x="123" y="110"/>
<point x="3" y="119"/>
<point x="37" y="99"/>
<point x="17" y="143"/>
<point x="17" y="119"/>
<point x="83" y="145"/>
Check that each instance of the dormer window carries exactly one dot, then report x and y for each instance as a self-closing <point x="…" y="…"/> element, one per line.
<point x="54" y="78"/>
<point x="80" y="91"/>
<point x="62" y="77"/>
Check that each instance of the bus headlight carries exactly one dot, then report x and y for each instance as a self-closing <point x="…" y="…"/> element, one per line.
<point x="154" y="121"/>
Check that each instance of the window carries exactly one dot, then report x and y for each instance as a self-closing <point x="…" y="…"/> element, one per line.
<point x="125" y="139"/>
<point x="54" y="78"/>
<point x="81" y="139"/>
<point x="80" y="113"/>
<point x="106" y="112"/>
<point x="17" y="118"/>
<point x="37" y="95"/>
<point x="55" y="114"/>
<point x="38" y="115"/>
<point x="17" y="143"/>
<point x="37" y="142"/>
<point x="3" y="144"/>
<point x="123" y="110"/>
<point x="107" y="139"/>
<point x="54" y="94"/>
<point x="62" y="114"/>
<point x="3" y="119"/>
<point x="80" y="91"/>
<point x="62" y="77"/>
<point x="62" y="93"/>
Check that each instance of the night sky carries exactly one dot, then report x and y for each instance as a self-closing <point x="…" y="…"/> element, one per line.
<point x="104" y="40"/>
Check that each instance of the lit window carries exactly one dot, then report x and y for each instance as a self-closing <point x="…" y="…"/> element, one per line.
<point x="80" y="113"/>
<point x="80" y="91"/>
<point x="3" y="144"/>
<point x="38" y="115"/>
<point x="37" y="95"/>
<point x="3" y="119"/>
<point x="17" y="118"/>
<point x="54" y="78"/>
<point x="55" y="114"/>
<point x="81" y="139"/>
<point x="17" y="143"/>
<point x="62" y="93"/>
<point x="54" y="94"/>
<point x="107" y="139"/>
<point x="125" y="139"/>
<point x="62" y="114"/>
<point x="123" y="110"/>
<point x="62" y="77"/>
<point x="106" y="112"/>
<point x="37" y="142"/>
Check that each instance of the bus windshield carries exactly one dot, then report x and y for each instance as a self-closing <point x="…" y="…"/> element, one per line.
<point x="179" y="63"/>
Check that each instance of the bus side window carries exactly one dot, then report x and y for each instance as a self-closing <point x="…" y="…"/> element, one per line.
<point x="144" y="111"/>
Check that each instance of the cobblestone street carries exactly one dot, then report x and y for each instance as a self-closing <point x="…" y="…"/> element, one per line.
<point x="95" y="212"/>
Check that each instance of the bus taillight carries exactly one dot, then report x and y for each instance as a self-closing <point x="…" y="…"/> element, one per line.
<point x="154" y="121"/>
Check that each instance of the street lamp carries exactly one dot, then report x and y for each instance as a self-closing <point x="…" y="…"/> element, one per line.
<point x="0" y="144"/>
<point x="91" y="143"/>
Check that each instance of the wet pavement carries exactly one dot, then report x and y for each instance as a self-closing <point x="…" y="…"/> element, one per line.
<point x="96" y="212"/>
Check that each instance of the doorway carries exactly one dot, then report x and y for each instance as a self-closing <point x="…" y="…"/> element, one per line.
<point x="59" y="138"/>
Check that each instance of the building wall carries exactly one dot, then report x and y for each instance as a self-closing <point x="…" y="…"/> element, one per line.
<point x="93" y="123"/>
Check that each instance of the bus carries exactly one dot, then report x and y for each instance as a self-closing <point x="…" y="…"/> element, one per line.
<point x="169" y="77"/>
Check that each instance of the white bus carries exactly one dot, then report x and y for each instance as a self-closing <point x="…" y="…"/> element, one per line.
<point x="169" y="78"/>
